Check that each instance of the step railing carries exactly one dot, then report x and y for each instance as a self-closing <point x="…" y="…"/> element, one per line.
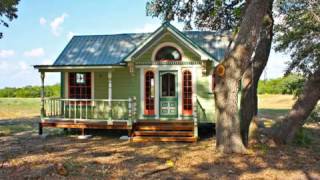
<point x="89" y="109"/>
<point x="201" y="112"/>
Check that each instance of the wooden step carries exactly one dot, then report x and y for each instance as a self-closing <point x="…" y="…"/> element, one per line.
<point x="163" y="139"/>
<point x="163" y="133"/>
<point x="164" y="127"/>
<point x="164" y="122"/>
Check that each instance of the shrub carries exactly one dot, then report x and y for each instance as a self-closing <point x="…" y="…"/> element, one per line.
<point x="291" y="84"/>
<point x="30" y="91"/>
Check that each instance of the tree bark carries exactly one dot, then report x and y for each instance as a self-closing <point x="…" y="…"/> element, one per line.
<point x="249" y="99"/>
<point x="300" y="111"/>
<point x="235" y="63"/>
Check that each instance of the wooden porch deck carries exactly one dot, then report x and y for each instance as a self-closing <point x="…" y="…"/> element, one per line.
<point x="114" y="114"/>
<point x="139" y="131"/>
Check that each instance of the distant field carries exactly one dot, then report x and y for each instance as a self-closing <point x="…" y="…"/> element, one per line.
<point x="273" y="106"/>
<point x="270" y="106"/>
<point x="13" y="108"/>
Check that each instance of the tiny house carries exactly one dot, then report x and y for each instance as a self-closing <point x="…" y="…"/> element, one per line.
<point x="158" y="85"/>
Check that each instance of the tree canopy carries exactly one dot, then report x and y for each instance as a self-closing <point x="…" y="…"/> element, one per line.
<point x="298" y="33"/>
<point x="8" y="12"/>
<point x="206" y="14"/>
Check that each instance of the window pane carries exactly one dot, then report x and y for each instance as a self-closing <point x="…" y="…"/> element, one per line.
<point x="168" y="53"/>
<point x="168" y="85"/>
<point x="80" y="78"/>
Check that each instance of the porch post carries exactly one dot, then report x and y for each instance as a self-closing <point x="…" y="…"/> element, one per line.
<point x="109" y="86"/>
<point x="110" y="94"/>
<point x="195" y="116"/>
<point x="42" y="95"/>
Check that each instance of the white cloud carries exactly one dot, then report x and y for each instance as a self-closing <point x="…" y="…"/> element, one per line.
<point x="276" y="65"/>
<point x="56" y="24"/>
<point x="70" y="35"/>
<point x="42" y="21"/>
<point x="6" y="53"/>
<point x="3" y="65"/>
<point x="23" y="66"/>
<point x="47" y="62"/>
<point x="147" y="28"/>
<point x="34" y="52"/>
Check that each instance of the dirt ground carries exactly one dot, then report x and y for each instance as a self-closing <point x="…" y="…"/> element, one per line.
<point x="60" y="155"/>
<point x="25" y="155"/>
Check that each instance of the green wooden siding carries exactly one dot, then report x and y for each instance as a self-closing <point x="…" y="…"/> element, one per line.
<point x="126" y="85"/>
<point x="167" y="37"/>
<point x="100" y="85"/>
<point x="205" y="96"/>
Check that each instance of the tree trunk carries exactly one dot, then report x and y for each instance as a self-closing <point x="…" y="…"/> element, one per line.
<point x="249" y="99"/>
<point x="235" y="63"/>
<point x="300" y="111"/>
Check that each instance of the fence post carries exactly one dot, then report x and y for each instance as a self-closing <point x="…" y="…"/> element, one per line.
<point x="195" y="117"/>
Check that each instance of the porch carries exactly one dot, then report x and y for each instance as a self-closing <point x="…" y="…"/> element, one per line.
<point x="120" y="114"/>
<point x="112" y="111"/>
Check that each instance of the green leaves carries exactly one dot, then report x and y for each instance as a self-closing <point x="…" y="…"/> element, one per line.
<point x="298" y="33"/>
<point x="8" y="9"/>
<point x="206" y="14"/>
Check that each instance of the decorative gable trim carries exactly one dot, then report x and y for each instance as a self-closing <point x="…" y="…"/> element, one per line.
<point x="177" y="34"/>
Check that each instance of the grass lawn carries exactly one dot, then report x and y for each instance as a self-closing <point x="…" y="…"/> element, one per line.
<point x="11" y="108"/>
<point x="25" y="155"/>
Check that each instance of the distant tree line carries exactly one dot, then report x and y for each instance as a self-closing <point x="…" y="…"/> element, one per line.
<point x="30" y="91"/>
<point x="291" y="84"/>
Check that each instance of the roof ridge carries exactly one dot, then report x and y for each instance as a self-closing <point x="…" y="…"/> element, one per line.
<point x="111" y="34"/>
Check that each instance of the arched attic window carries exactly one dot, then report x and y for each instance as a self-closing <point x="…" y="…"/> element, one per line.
<point x="168" y="53"/>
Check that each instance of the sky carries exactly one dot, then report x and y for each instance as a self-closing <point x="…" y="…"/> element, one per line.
<point x="44" y="27"/>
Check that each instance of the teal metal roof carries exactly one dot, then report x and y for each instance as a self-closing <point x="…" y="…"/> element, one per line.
<point x="112" y="49"/>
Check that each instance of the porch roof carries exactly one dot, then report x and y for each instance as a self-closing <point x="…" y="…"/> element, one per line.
<point x="110" y="50"/>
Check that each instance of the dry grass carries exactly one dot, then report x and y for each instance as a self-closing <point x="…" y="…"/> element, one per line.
<point x="13" y="108"/>
<point x="25" y="155"/>
<point x="275" y="101"/>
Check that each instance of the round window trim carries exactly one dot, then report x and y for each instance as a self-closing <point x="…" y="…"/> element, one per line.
<point x="171" y="49"/>
<point x="166" y="44"/>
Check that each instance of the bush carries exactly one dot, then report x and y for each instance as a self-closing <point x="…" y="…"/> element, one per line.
<point x="303" y="137"/>
<point x="30" y="91"/>
<point x="315" y="115"/>
<point x="291" y="84"/>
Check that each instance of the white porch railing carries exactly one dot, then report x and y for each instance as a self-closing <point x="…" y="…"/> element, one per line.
<point x="89" y="109"/>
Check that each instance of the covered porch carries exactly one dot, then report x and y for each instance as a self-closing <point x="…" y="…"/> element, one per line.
<point x="80" y="108"/>
<point x="111" y="110"/>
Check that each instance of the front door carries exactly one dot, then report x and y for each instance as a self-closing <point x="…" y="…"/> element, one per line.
<point x="168" y="94"/>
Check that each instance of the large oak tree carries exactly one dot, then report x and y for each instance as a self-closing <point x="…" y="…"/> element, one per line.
<point x="249" y="17"/>
<point x="298" y="34"/>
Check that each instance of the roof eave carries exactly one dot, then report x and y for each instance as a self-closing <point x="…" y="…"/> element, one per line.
<point x="57" y="68"/>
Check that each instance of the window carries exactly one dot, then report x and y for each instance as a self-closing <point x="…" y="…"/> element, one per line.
<point x="80" y="85"/>
<point x="149" y="93"/>
<point x="168" y="53"/>
<point x="187" y="93"/>
<point x="168" y="88"/>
